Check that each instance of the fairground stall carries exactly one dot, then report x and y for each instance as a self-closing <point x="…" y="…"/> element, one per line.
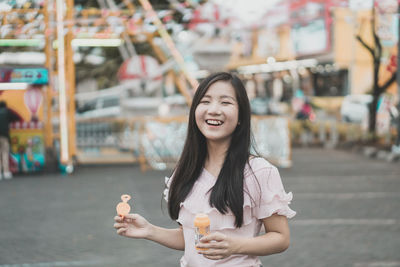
<point x="21" y="89"/>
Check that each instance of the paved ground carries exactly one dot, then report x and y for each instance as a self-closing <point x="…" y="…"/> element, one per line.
<point x="348" y="215"/>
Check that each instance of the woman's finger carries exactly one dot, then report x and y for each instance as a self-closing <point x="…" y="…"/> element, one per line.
<point x="209" y="245"/>
<point x="132" y="216"/>
<point x="120" y="231"/>
<point x="119" y="225"/>
<point x="216" y="236"/>
<point x="216" y="245"/>
<point x="210" y="252"/>
<point x="213" y="257"/>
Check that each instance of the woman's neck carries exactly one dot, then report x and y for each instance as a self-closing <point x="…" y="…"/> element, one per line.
<point x="215" y="157"/>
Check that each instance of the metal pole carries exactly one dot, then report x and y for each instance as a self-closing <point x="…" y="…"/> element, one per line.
<point x="49" y="88"/>
<point x="398" y="78"/>
<point x="70" y="81"/>
<point x="61" y="84"/>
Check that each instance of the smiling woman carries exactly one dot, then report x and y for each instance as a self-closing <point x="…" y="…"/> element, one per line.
<point x="217" y="176"/>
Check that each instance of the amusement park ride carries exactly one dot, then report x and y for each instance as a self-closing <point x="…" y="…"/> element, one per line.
<point x="59" y="24"/>
<point x="50" y="131"/>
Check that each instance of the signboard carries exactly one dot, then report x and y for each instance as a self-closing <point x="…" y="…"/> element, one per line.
<point x="26" y="135"/>
<point x="311" y="23"/>
<point x="311" y="38"/>
<point x="387" y="21"/>
<point x="360" y="4"/>
<point x="27" y="147"/>
<point x="24" y="75"/>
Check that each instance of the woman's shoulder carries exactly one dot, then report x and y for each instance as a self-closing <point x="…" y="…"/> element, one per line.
<point x="257" y="163"/>
<point x="256" y="169"/>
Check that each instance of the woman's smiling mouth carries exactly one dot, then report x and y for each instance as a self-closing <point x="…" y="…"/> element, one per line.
<point x="214" y="122"/>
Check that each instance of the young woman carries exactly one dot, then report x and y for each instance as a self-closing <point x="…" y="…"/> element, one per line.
<point x="217" y="175"/>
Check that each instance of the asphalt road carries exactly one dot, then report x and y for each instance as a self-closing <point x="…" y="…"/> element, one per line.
<point x="348" y="214"/>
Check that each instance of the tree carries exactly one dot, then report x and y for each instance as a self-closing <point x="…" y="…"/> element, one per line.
<point x="375" y="51"/>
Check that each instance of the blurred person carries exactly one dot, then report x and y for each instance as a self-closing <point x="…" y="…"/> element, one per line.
<point x="277" y="87"/>
<point x="251" y="88"/>
<point x="6" y="117"/>
<point x="217" y="175"/>
<point x="306" y="112"/>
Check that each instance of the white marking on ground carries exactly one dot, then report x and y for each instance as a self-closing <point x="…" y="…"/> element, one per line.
<point x="338" y="221"/>
<point x="344" y="177"/>
<point x="54" y="263"/>
<point x="358" y="195"/>
<point x="377" y="264"/>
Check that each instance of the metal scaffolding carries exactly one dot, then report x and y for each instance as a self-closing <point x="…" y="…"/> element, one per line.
<point x="58" y="23"/>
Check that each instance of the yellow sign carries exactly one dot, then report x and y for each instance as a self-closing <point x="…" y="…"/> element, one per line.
<point x="28" y="104"/>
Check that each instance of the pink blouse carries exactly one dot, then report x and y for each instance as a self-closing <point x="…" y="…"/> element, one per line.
<point x="265" y="197"/>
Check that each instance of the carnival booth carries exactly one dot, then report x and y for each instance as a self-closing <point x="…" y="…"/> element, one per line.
<point x="21" y="89"/>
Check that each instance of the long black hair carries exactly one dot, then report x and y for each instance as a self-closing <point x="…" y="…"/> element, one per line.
<point x="227" y="193"/>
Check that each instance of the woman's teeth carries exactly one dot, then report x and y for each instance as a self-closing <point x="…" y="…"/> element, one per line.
<point x="214" y="122"/>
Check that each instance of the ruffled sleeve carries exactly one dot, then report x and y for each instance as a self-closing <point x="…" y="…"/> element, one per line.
<point x="268" y="192"/>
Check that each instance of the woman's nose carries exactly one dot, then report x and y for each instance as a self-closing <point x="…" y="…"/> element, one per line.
<point x="214" y="108"/>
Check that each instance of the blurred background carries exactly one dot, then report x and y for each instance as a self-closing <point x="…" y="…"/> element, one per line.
<point x="100" y="81"/>
<point x="110" y="82"/>
<point x="113" y="80"/>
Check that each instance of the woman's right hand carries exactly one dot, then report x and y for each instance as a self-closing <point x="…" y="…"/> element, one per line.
<point x="132" y="225"/>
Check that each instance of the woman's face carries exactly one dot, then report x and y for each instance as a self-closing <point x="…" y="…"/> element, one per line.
<point x="217" y="113"/>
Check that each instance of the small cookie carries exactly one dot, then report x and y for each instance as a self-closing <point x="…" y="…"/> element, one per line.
<point x="123" y="207"/>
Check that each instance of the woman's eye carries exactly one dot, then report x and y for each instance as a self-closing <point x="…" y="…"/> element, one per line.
<point x="226" y="103"/>
<point x="204" y="101"/>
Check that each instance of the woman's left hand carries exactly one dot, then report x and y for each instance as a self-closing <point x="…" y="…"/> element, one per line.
<point x="216" y="246"/>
